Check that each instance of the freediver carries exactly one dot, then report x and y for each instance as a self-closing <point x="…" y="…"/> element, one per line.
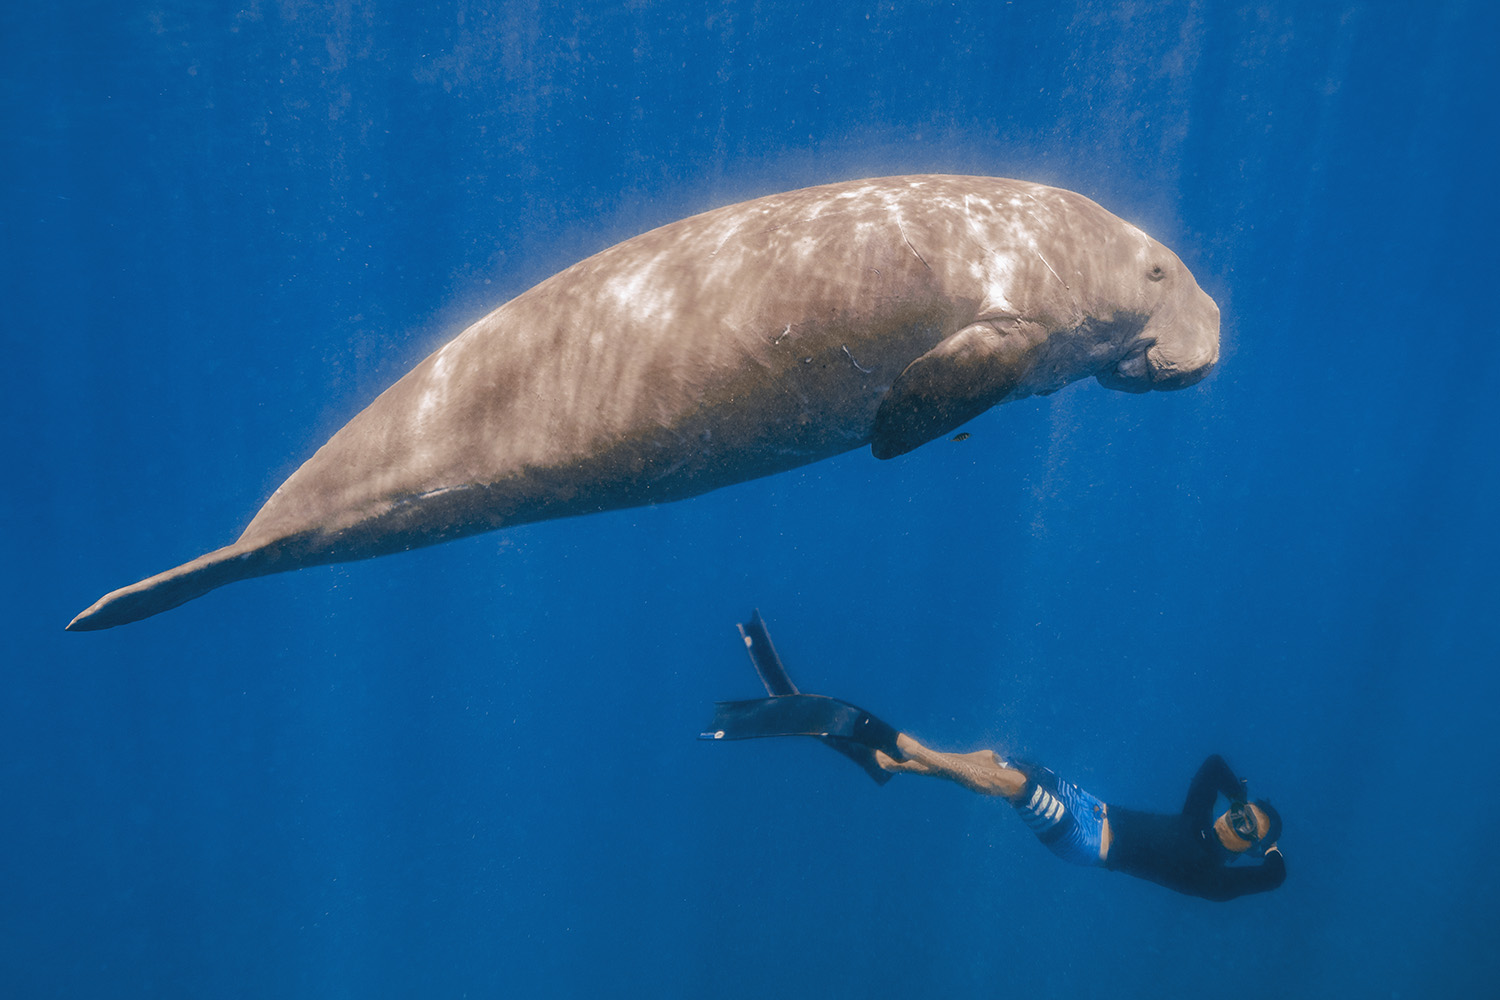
<point x="1192" y="851"/>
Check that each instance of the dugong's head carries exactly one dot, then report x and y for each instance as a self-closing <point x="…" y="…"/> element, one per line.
<point x="1179" y="343"/>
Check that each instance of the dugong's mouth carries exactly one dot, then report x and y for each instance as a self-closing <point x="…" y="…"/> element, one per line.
<point x="1150" y="367"/>
<point x="1130" y="374"/>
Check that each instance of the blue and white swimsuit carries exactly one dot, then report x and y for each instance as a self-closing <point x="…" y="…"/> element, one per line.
<point x="1063" y="816"/>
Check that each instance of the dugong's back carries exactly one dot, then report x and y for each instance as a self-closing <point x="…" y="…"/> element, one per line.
<point x="654" y="370"/>
<point x="727" y="346"/>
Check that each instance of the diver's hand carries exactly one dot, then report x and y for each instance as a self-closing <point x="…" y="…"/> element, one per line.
<point x="981" y="771"/>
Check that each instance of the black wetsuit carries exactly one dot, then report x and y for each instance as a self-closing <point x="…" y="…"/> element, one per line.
<point x="1183" y="852"/>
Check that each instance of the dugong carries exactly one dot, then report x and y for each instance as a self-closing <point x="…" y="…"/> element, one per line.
<point x="734" y="344"/>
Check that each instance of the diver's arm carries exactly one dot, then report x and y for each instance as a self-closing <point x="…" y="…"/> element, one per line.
<point x="1231" y="882"/>
<point x="981" y="771"/>
<point x="1213" y="779"/>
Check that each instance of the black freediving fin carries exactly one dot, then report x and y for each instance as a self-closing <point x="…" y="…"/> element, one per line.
<point x="839" y="725"/>
<point x="763" y="656"/>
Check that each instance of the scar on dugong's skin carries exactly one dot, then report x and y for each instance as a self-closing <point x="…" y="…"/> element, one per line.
<point x="731" y="345"/>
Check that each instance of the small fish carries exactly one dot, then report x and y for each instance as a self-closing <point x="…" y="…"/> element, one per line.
<point x="960" y="436"/>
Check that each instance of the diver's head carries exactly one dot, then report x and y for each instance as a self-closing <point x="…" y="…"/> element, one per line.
<point x="1247" y="825"/>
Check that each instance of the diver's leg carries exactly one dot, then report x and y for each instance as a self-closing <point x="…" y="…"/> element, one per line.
<point x="1064" y="817"/>
<point x="981" y="771"/>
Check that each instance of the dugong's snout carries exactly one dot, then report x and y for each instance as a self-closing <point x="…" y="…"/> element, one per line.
<point x="1178" y="347"/>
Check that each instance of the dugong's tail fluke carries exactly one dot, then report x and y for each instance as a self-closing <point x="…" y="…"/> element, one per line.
<point x="165" y="591"/>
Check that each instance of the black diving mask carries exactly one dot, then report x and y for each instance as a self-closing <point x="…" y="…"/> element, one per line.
<point x="1242" y="821"/>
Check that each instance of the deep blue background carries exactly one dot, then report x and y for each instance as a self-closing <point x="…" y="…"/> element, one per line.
<point x="471" y="770"/>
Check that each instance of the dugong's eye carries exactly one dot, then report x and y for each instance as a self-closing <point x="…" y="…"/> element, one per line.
<point x="1156" y="273"/>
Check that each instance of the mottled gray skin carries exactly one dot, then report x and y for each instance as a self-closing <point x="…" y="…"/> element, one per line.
<point x="731" y="345"/>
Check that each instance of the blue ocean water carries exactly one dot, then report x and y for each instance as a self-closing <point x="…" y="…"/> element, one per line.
<point x="471" y="770"/>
